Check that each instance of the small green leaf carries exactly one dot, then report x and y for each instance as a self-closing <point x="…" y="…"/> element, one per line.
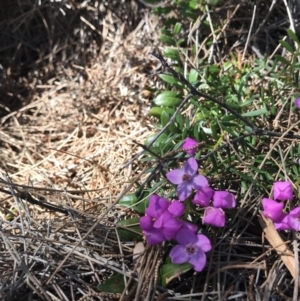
<point x="127" y="235"/>
<point x="193" y="76"/>
<point x="167" y="99"/>
<point x="128" y="200"/>
<point x="177" y="28"/>
<point x="255" y="113"/>
<point x="115" y="284"/>
<point x="170" y="79"/>
<point x="172" y="54"/>
<point x="157" y="111"/>
<point x="170" y="271"/>
<point x="131" y="201"/>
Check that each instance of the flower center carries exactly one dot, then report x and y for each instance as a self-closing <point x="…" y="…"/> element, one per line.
<point x="185" y="177"/>
<point x="190" y="249"/>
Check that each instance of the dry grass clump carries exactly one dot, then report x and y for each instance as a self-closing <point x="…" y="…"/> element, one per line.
<point x="85" y="66"/>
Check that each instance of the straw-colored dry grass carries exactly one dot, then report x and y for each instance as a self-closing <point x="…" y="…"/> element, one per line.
<point x="66" y="140"/>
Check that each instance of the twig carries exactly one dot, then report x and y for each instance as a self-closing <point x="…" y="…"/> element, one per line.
<point x="249" y="33"/>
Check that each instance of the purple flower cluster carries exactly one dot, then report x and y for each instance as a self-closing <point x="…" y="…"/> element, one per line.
<point x="162" y="223"/>
<point x="282" y="191"/>
<point x="162" y="220"/>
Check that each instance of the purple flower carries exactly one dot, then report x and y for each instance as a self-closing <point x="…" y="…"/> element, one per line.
<point x="154" y="236"/>
<point x="294" y="219"/>
<point x="282" y="223"/>
<point x="167" y="224"/>
<point x="187" y="179"/>
<point x="214" y="217"/>
<point x="297" y="103"/>
<point x="272" y="209"/>
<point x="176" y="208"/>
<point x="203" y="196"/>
<point x="191" y="248"/>
<point x="283" y="190"/>
<point x="157" y="205"/>
<point x="189" y="143"/>
<point x="223" y="199"/>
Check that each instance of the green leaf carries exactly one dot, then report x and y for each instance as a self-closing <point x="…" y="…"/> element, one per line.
<point x="131" y="201"/>
<point x="164" y="118"/>
<point x="115" y="284"/>
<point x="293" y="36"/>
<point x="131" y="224"/>
<point x="172" y="54"/>
<point x="177" y="28"/>
<point x="157" y="111"/>
<point x="170" y="79"/>
<point x="167" y="99"/>
<point x="171" y="271"/>
<point x="193" y="76"/>
<point x="128" y="200"/>
<point x="168" y="40"/>
<point x="255" y="113"/>
<point x="287" y="46"/>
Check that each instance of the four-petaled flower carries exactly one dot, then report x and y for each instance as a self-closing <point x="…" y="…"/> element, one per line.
<point x="203" y="196"/>
<point x="214" y="217"/>
<point x="187" y="179"/>
<point x="272" y="209"/>
<point x="191" y="248"/>
<point x="283" y="191"/>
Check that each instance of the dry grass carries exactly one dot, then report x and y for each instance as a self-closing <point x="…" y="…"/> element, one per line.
<point x="65" y="142"/>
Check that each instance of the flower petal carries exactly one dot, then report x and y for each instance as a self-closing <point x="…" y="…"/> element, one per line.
<point x="154" y="237"/>
<point x="178" y="254"/>
<point x="146" y="223"/>
<point x="157" y="205"/>
<point x="176" y="208"/>
<point x="186" y="236"/>
<point x="294" y="219"/>
<point x="189" y="143"/>
<point x="283" y="190"/>
<point x="199" y="181"/>
<point x="184" y="190"/>
<point x="283" y="223"/>
<point x="190" y="167"/>
<point x="203" y="242"/>
<point x="223" y="199"/>
<point x="175" y="176"/>
<point x="167" y="224"/>
<point x="198" y="260"/>
<point x="190" y="226"/>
